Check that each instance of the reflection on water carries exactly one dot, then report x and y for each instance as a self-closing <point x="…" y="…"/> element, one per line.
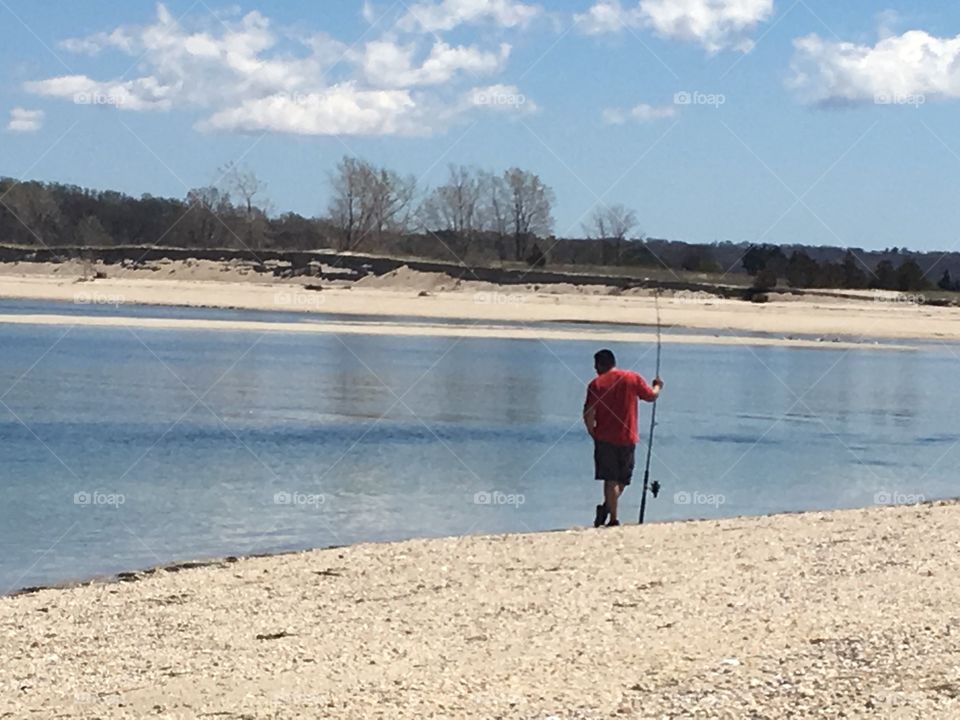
<point x="228" y="443"/>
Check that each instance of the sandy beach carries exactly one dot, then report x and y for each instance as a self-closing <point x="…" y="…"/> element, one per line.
<point x="846" y="614"/>
<point x="479" y="307"/>
<point x="480" y="360"/>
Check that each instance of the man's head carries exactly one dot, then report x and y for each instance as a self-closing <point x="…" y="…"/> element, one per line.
<point x="604" y="361"/>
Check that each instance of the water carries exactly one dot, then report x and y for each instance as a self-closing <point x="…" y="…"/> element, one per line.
<point x="124" y="449"/>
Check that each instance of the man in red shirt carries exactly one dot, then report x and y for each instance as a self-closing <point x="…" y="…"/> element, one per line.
<point x="610" y="414"/>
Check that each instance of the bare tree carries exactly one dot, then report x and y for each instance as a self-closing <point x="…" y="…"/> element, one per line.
<point x="494" y="210"/>
<point x="367" y="200"/>
<point x="611" y="224"/>
<point x="242" y="182"/>
<point x="531" y="208"/>
<point x="350" y="212"/>
<point x="455" y="206"/>
<point x="391" y="197"/>
<point x="207" y="206"/>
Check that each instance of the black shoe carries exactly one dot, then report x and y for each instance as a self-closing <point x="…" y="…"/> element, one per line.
<point x="615" y="523"/>
<point x="601" y="517"/>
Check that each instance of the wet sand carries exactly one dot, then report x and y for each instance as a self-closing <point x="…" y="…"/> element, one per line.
<point x="452" y="330"/>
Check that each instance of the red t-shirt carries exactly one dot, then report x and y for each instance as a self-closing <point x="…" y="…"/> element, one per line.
<point x="614" y="395"/>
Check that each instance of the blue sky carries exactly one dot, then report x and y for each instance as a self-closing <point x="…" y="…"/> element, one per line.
<point x="810" y="122"/>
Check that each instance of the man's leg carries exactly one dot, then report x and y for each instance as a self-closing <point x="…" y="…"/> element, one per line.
<point x="611" y="496"/>
<point x="625" y="462"/>
<point x="600" y="469"/>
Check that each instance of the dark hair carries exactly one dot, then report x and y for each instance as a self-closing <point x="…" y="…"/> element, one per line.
<point x="605" y="359"/>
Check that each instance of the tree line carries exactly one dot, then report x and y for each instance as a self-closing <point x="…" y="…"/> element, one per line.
<point x="473" y="216"/>
<point x="371" y="209"/>
<point x="768" y="264"/>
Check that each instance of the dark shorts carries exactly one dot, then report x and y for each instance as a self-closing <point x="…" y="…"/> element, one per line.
<point x="613" y="462"/>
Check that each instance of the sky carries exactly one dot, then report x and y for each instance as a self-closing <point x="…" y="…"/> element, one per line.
<point x="784" y="121"/>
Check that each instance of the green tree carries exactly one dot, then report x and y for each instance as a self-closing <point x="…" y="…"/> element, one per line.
<point x="830" y="275"/>
<point x="802" y="270"/>
<point x="637" y="253"/>
<point x="765" y="257"/>
<point x="854" y="278"/>
<point x="536" y="258"/>
<point x="910" y="277"/>
<point x="946" y="282"/>
<point x="754" y="260"/>
<point x="699" y="259"/>
<point x="886" y="276"/>
<point x="766" y="280"/>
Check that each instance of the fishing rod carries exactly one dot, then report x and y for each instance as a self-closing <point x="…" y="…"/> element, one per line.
<point x="654" y="489"/>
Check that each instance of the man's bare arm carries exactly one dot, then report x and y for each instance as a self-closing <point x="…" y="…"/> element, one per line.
<point x="590" y="419"/>
<point x="648" y="393"/>
<point x="657" y="388"/>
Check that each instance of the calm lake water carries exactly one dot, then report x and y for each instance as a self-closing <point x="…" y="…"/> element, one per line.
<point x="124" y="449"/>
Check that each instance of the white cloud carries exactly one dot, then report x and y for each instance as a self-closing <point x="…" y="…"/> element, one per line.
<point x="144" y="93"/>
<point x="246" y="75"/>
<point x="448" y="14"/>
<point x="185" y="68"/>
<point x="914" y="64"/>
<point x="388" y="64"/>
<point x="25" y="121"/>
<point x="607" y="16"/>
<point x="714" y="24"/>
<point x="120" y="39"/>
<point x="340" y="110"/>
<point x="641" y="113"/>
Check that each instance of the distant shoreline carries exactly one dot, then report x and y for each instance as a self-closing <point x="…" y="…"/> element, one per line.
<point x="470" y="308"/>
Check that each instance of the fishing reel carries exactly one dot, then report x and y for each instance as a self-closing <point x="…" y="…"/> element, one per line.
<point x="655" y="488"/>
